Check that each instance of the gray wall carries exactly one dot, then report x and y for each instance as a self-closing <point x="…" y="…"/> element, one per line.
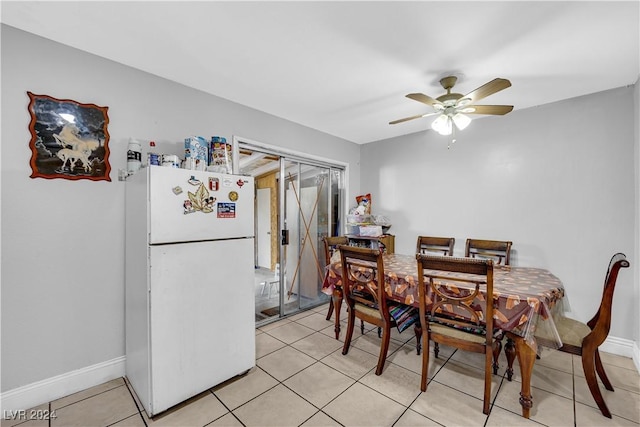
<point x="63" y="241"/>
<point x="558" y="180"/>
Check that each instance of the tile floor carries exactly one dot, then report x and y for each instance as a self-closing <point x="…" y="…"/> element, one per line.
<point x="302" y="379"/>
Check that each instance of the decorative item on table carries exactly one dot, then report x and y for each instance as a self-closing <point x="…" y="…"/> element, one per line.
<point x="220" y="155"/>
<point x="196" y="153"/>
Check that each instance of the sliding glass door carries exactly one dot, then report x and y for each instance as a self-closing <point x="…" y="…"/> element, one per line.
<point x="298" y="203"/>
<point x="305" y="222"/>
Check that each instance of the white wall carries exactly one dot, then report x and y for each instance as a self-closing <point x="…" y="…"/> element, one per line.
<point x="558" y="180"/>
<point x="63" y="241"/>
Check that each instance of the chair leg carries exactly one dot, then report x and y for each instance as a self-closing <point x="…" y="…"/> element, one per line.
<point x="384" y="347"/>
<point x="436" y="349"/>
<point x="350" y="324"/>
<point x="330" y="312"/>
<point x="337" y="306"/>
<point x="425" y="360"/>
<point x="588" y="365"/>
<point x="362" y="326"/>
<point x="487" y="382"/>
<point x="379" y="332"/>
<point x="601" y="373"/>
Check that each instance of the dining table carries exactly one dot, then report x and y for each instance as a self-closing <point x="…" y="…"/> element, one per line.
<point x="526" y="302"/>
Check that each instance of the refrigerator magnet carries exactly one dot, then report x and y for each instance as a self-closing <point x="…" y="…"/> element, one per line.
<point x="233" y="196"/>
<point x="226" y="210"/>
<point x="188" y="207"/>
<point x="177" y="190"/>
<point x="214" y="183"/>
<point x="226" y="182"/>
<point x="194" y="181"/>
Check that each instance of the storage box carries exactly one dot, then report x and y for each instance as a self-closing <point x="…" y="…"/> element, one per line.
<point x="371" y="230"/>
<point x="352" y="229"/>
<point x="196" y="153"/>
<point x="359" y="219"/>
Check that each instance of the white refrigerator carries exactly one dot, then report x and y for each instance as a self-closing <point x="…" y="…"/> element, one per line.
<point x="190" y="308"/>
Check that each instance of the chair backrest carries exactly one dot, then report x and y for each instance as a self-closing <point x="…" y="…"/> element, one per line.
<point x="449" y="291"/>
<point x="497" y="250"/>
<point x="331" y="244"/>
<point x="601" y="322"/>
<point x="438" y="245"/>
<point x="363" y="276"/>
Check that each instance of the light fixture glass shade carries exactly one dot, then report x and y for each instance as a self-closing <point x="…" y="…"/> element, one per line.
<point x="443" y="125"/>
<point x="461" y="121"/>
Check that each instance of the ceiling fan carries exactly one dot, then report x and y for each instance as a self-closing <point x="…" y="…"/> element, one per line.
<point x="451" y="108"/>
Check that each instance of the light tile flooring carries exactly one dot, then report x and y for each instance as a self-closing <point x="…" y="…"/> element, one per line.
<point x="302" y="379"/>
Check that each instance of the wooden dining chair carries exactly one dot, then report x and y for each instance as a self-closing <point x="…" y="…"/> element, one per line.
<point x="363" y="285"/>
<point x="449" y="292"/>
<point x="330" y="246"/>
<point x="583" y="339"/>
<point x="431" y="245"/>
<point x="500" y="252"/>
<point x="435" y="245"/>
<point x="497" y="250"/>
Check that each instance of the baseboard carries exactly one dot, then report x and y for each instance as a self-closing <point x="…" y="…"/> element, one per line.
<point x="622" y="347"/>
<point x="53" y="388"/>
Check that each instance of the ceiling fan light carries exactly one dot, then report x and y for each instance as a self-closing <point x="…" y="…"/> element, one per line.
<point x="461" y="121"/>
<point x="443" y="125"/>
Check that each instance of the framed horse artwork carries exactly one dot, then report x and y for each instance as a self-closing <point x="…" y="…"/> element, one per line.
<point x="69" y="140"/>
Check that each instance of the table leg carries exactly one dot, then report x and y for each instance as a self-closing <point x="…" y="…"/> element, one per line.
<point x="526" y="358"/>
<point x="417" y="329"/>
<point x="337" y="305"/>
<point x="510" y="352"/>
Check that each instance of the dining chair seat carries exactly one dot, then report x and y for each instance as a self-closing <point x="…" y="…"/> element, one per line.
<point x="461" y="334"/>
<point x="572" y="332"/>
<point x="368" y="310"/>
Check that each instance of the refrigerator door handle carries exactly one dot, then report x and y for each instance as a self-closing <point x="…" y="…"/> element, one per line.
<point x="285" y="237"/>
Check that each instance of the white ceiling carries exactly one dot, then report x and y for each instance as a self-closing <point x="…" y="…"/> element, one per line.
<point x="344" y="68"/>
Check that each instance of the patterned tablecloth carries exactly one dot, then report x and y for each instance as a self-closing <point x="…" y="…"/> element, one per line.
<point x="527" y="298"/>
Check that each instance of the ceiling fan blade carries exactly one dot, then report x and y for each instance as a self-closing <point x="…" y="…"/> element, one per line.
<point x="406" y="119"/>
<point x="495" y="85"/>
<point x="498" y="110"/>
<point x="421" y="97"/>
